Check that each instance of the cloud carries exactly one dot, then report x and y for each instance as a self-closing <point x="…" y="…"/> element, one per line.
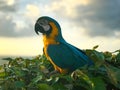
<point x="32" y="10"/>
<point x="14" y="22"/>
<point x="98" y="17"/>
<point x="8" y="5"/>
<point x="65" y="8"/>
<point x="8" y="28"/>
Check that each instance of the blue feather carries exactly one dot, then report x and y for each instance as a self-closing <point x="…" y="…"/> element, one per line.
<point x="67" y="56"/>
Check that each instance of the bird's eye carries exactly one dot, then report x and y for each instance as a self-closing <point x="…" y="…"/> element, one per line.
<point x="41" y="23"/>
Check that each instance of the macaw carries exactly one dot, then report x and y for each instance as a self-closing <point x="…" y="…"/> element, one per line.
<point x="62" y="55"/>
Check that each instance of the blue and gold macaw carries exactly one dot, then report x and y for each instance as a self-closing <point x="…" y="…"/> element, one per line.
<point x="63" y="56"/>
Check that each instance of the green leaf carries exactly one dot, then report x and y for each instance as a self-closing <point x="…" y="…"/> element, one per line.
<point x="60" y="86"/>
<point x="44" y="86"/>
<point x="108" y="56"/>
<point x="1" y="67"/>
<point x="2" y="74"/>
<point x="100" y="58"/>
<point x="118" y="51"/>
<point x="19" y="84"/>
<point x="18" y="71"/>
<point x="114" y="75"/>
<point x="118" y="58"/>
<point x="97" y="57"/>
<point x="82" y="79"/>
<point x="38" y="78"/>
<point x="99" y="84"/>
<point x="95" y="47"/>
<point x="32" y="74"/>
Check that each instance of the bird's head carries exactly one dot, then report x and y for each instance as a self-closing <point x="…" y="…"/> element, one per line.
<point x="47" y="25"/>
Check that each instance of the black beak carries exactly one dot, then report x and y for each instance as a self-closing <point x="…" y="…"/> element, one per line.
<point x="39" y="28"/>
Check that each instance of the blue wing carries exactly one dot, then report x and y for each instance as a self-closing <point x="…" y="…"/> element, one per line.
<point x="67" y="56"/>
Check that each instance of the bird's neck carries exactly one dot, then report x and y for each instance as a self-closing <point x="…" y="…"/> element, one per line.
<point x="54" y="37"/>
<point x="47" y="41"/>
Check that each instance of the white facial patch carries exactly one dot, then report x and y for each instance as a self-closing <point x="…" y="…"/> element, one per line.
<point x="44" y="23"/>
<point x="46" y="27"/>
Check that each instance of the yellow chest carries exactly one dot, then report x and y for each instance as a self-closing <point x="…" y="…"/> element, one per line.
<point x="50" y="39"/>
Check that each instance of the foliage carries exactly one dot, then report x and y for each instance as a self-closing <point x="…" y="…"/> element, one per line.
<point x="34" y="74"/>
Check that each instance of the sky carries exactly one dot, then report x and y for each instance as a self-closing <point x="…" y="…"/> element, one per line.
<point x="84" y="23"/>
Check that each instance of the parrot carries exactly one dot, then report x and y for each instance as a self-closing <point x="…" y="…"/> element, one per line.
<point x="63" y="56"/>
